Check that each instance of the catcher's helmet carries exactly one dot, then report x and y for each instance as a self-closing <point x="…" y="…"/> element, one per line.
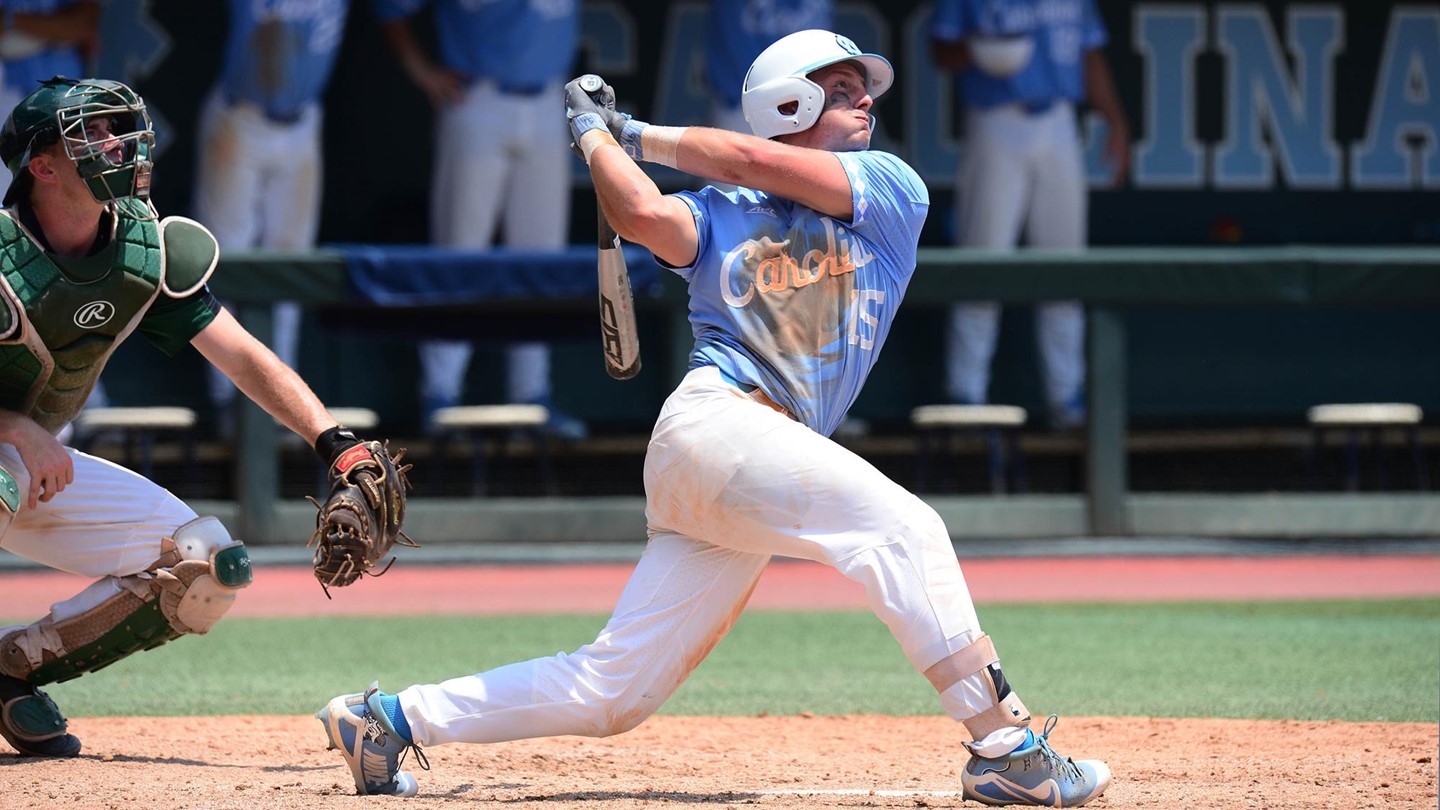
<point x="113" y="159"/>
<point x="777" y="78"/>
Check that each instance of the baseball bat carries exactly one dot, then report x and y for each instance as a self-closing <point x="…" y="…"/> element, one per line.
<point x="619" y="336"/>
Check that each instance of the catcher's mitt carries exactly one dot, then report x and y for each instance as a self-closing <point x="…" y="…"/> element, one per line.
<point x="360" y="521"/>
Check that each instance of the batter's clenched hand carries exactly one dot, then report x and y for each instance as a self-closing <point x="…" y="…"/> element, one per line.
<point x="46" y="460"/>
<point x="588" y="109"/>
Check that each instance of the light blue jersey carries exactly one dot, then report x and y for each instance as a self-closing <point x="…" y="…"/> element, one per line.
<point x="740" y="29"/>
<point x="1063" y="30"/>
<point x="279" y="53"/>
<point x="24" y="75"/>
<point x="799" y="303"/>
<point x="521" y="45"/>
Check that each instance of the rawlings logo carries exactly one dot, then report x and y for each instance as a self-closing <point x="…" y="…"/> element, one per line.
<point x="94" y="314"/>
<point x="351" y="457"/>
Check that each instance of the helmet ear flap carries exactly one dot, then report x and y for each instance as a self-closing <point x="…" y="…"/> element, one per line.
<point x="779" y="94"/>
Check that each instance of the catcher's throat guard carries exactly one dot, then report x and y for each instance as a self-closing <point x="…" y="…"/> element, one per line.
<point x="360" y="520"/>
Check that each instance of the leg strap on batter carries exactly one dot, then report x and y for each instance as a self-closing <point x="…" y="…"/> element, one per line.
<point x="979" y="658"/>
<point x="186" y="591"/>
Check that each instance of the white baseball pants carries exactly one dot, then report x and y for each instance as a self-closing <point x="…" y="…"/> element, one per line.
<point x="258" y="185"/>
<point x="1020" y="172"/>
<point x="500" y="160"/>
<point x="729" y="483"/>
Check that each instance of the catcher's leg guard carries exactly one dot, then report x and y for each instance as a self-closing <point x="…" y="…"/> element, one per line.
<point x="980" y="665"/>
<point x="186" y="591"/>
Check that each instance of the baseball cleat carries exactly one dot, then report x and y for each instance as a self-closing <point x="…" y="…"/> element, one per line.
<point x="356" y="726"/>
<point x="1034" y="775"/>
<point x="31" y="722"/>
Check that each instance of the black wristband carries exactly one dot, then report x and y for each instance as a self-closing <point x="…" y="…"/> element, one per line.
<point x="331" y="443"/>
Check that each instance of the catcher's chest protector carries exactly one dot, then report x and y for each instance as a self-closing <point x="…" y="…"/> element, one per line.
<point x="60" y="319"/>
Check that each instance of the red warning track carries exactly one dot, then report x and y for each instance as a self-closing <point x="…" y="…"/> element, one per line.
<point x="792" y="585"/>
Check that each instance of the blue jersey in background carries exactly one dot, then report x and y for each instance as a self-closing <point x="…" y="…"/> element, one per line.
<point x="24" y="74"/>
<point x="1062" y="31"/>
<point x="739" y="30"/>
<point x="279" y="53"/>
<point x="521" y="45"/>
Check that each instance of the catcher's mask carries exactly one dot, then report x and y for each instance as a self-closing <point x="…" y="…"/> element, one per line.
<point x="103" y="128"/>
<point x="778" y="79"/>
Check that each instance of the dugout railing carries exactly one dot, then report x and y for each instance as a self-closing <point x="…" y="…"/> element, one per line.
<point x="1106" y="280"/>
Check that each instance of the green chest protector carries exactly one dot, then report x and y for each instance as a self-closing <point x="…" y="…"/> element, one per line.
<point x="61" y="319"/>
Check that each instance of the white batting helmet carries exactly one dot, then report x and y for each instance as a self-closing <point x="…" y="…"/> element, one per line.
<point x="778" y="77"/>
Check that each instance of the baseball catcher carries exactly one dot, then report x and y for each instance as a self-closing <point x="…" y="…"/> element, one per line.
<point x="359" y="522"/>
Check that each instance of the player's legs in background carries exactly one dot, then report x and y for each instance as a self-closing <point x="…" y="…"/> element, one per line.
<point x="992" y="191"/>
<point x="467" y="187"/>
<point x="538" y="218"/>
<point x="291" y="215"/>
<point x="1057" y="221"/>
<point x="681" y="599"/>
<point x="234" y="149"/>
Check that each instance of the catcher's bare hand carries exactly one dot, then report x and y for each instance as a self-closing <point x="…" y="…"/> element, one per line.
<point x="360" y="520"/>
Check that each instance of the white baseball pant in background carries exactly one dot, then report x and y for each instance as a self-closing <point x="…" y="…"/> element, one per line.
<point x="1020" y="171"/>
<point x="501" y="161"/>
<point x="258" y="185"/>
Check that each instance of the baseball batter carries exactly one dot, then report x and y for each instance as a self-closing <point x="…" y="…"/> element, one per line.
<point x="85" y="263"/>
<point x="258" y="175"/>
<point x="500" y="155"/>
<point x="1023" y="66"/>
<point x="795" y="279"/>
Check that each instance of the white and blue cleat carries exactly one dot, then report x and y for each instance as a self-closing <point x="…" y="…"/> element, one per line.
<point x="358" y="728"/>
<point x="1035" y="776"/>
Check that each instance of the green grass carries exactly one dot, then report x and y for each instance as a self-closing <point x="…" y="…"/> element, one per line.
<point x="1360" y="660"/>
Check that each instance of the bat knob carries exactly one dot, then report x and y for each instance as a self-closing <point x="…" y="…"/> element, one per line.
<point x="591" y="83"/>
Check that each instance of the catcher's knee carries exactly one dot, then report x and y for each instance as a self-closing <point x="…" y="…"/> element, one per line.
<point x="186" y="591"/>
<point x="197" y="590"/>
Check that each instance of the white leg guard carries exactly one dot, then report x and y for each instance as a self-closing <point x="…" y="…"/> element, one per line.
<point x="975" y="670"/>
<point x="186" y="591"/>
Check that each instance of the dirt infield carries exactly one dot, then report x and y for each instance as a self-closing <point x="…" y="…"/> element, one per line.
<point x="783" y="762"/>
<point x="864" y="761"/>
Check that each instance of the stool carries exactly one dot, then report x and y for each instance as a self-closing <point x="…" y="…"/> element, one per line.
<point x="1368" y="418"/>
<point x="501" y="423"/>
<point x="138" y="428"/>
<point x="361" y="419"/>
<point x="998" y="424"/>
